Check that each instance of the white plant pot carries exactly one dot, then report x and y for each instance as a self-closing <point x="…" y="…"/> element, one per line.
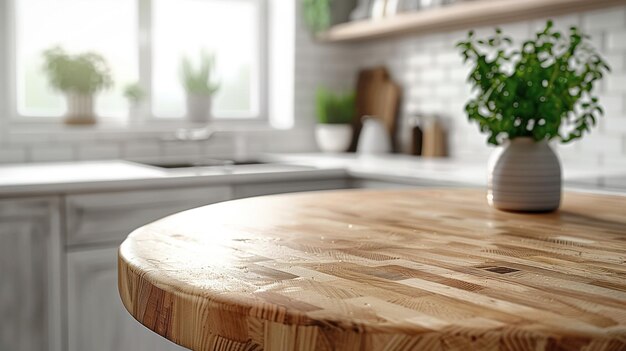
<point x="198" y="108"/>
<point x="136" y="114"/>
<point x="333" y="137"/>
<point x="524" y="175"/>
<point x="79" y="108"/>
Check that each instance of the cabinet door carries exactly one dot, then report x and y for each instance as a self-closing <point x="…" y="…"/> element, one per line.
<point x="258" y="189"/>
<point x="30" y="275"/>
<point x="97" y="320"/>
<point x="107" y="218"/>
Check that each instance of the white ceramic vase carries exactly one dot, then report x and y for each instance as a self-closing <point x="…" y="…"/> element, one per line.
<point x="198" y="108"/>
<point x="374" y="138"/>
<point x="524" y="175"/>
<point x="79" y="108"/>
<point x="333" y="137"/>
<point x="136" y="113"/>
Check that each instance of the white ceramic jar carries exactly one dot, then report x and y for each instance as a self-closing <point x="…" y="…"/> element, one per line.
<point x="79" y="108"/>
<point x="524" y="175"/>
<point x="333" y="137"/>
<point x="198" y="108"/>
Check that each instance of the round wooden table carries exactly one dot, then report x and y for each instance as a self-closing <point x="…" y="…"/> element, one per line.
<point x="382" y="270"/>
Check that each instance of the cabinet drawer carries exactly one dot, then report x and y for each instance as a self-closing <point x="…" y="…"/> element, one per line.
<point x="110" y="217"/>
<point x="258" y="189"/>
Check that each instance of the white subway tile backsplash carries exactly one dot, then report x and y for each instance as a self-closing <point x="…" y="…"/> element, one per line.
<point x="617" y="62"/>
<point x="614" y="125"/>
<point x="138" y="149"/>
<point x="448" y="58"/>
<point x="613" y="105"/>
<point x="608" y="18"/>
<point x="616" y="82"/>
<point x="616" y="40"/>
<point x="601" y="144"/>
<point x="433" y="75"/>
<point x="12" y="155"/>
<point x="420" y="59"/>
<point x="109" y="151"/>
<point x="183" y="149"/>
<point x="46" y="153"/>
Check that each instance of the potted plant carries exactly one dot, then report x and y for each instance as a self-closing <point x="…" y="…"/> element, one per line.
<point x="199" y="86"/>
<point x="79" y="77"/>
<point x="335" y="113"/>
<point x="319" y="15"/>
<point x="526" y="97"/>
<point x="135" y="95"/>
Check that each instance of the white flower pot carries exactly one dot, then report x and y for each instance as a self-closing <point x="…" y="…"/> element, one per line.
<point x="524" y="175"/>
<point x="79" y="108"/>
<point x="198" y="108"/>
<point x="333" y="137"/>
<point x="136" y="113"/>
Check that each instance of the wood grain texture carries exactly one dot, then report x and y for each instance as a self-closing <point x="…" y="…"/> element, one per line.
<point x="382" y="270"/>
<point x="461" y="15"/>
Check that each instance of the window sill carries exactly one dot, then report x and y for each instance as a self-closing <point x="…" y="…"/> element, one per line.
<point x="27" y="132"/>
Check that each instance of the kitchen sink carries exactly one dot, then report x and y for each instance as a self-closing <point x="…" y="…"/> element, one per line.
<point x="204" y="163"/>
<point x="225" y="166"/>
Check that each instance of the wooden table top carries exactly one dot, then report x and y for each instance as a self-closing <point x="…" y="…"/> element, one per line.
<point x="382" y="270"/>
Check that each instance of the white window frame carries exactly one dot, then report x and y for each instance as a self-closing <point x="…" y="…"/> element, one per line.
<point x="144" y="38"/>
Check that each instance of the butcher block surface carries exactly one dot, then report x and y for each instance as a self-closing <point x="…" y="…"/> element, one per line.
<point x="382" y="270"/>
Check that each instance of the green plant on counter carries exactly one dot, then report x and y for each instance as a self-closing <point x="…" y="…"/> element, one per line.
<point x="316" y="15"/>
<point x="85" y="73"/>
<point x="543" y="90"/>
<point x="134" y="93"/>
<point x="199" y="80"/>
<point x="334" y="108"/>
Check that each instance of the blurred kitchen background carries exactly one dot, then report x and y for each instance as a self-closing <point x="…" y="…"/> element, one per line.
<point x="74" y="184"/>
<point x="270" y="66"/>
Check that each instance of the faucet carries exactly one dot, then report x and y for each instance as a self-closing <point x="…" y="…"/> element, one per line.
<point x="191" y="134"/>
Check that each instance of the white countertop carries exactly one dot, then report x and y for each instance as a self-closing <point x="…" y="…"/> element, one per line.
<point x="405" y="168"/>
<point x="70" y="177"/>
<point x="46" y="178"/>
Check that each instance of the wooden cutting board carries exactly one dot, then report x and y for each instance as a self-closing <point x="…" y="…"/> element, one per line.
<point x="378" y="96"/>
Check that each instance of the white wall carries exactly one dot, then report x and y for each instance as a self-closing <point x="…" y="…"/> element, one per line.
<point x="432" y="75"/>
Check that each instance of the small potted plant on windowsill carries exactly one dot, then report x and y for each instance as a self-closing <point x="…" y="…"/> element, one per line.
<point x="79" y="78"/>
<point x="525" y="98"/>
<point x="199" y="87"/>
<point x="135" y="96"/>
<point x="335" y="113"/>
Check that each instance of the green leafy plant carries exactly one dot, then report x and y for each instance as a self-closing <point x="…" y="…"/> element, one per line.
<point x="543" y="90"/>
<point x="134" y="93"/>
<point x="85" y="73"/>
<point x="317" y="15"/>
<point x="334" y="108"/>
<point x="199" y="80"/>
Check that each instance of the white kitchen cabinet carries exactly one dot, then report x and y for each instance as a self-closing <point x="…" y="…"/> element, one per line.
<point x="363" y="183"/>
<point x="97" y="320"/>
<point x="96" y="225"/>
<point x="280" y="187"/>
<point x="30" y="266"/>
<point x="107" y="218"/>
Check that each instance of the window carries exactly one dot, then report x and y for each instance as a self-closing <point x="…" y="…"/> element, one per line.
<point x="144" y="40"/>
<point x="105" y="26"/>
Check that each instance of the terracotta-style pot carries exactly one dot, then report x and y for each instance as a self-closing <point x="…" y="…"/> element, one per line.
<point x="333" y="137"/>
<point x="524" y="175"/>
<point x="198" y="108"/>
<point x="79" y="108"/>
